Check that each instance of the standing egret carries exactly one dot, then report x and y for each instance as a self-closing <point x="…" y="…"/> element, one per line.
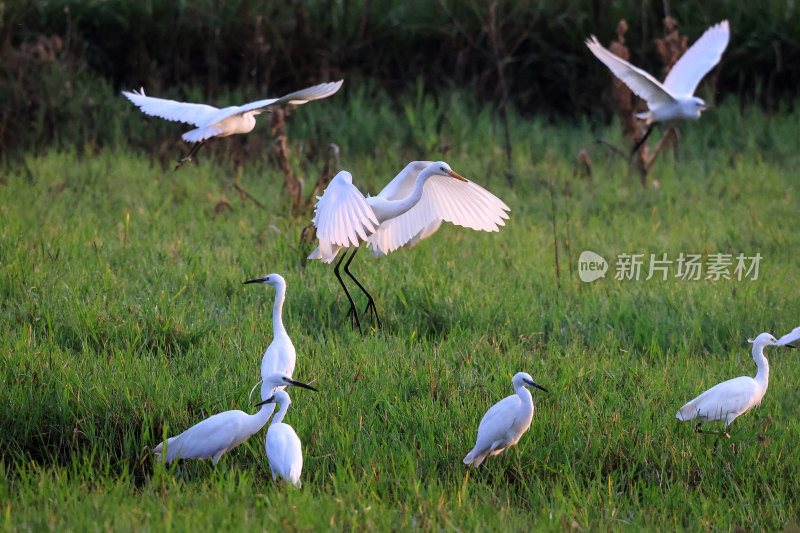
<point x="222" y="432"/>
<point x="422" y="195"/>
<point x="284" y="450"/>
<point x="280" y="355"/>
<point x="674" y="99"/>
<point x="505" y="422"/>
<point x="214" y="122"/>
<point x="729" y="399"/>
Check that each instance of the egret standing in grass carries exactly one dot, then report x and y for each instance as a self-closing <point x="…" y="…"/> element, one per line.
<point x="284" y="450"/>
<point x="505" y="422"/>
<point x="674" y="99"/>
<point x="220" y="433"/>
<point x="280" y="355"/>
<point x="421" y="196"/>
<point x="213" y="122"/>
<point x="729" y="399"/>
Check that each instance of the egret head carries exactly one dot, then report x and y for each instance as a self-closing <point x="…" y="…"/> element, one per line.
<point x="276" y="280"/>
<point x="445" y="170"/>
<point x="765" y="339"/>
<point x="521" y="379"/>
<point x="278" y="379"/>
<point x="699" y="105"/>
<point x="279" y="396"/>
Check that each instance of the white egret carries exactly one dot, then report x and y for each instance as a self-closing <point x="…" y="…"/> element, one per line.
<point x="284" y="450"/>
<point x="280" y="355"/>
<point x="418" y="198"/>
<point x="789" y="338"/>
<point x="505" y="422"/>
<point x="220" y="433"/>
<point x="674" y="99"/>
<point x="214" y="122"/>
<point x="729" y="399"/>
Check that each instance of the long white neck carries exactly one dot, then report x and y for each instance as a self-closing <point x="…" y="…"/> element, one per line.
<point x="762" y="376"/>
<point x="394" y="208"/>
<point x="525" y="395"/>
<point x="256" y="422"/>
<point x="278" y="418"/>
<point x="277" y="311"/>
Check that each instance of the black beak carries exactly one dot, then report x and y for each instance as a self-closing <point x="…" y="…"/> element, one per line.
<point x="534" y="384"/>
<point x="301" y="384"/>
<point x="268" y="400"/>
<point x="791" y="346"/>
<point x="259" y="280"/>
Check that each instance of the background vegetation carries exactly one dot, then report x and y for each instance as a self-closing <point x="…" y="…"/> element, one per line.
<point x="63" y="63"/>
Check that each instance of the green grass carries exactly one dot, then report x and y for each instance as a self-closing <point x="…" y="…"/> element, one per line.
<point x="124" y="320"/>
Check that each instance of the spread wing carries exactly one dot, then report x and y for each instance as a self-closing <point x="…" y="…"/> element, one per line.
<point x="342" y="216"/>
<point x="695" y="63"/>
<point x="197" y="114"/>
<point x="443" y="198"/>
<point x="640" y="82"/>
<point x="402" y="184"/>
<point x="789" y="338"/>
<point x="316" y="92"/>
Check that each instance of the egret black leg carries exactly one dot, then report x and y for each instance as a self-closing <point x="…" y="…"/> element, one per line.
<point x="641" y="141"/>
<point x="188" y="158"/>
<point x="352" y="312"/>
<point x="370" y="301"/>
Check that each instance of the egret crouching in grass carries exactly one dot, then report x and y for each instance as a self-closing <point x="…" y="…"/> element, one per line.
<point x="674" y="99"/>
<point x="729" y="399"/>
<point x="220" y="433"/>
<point x="214" y="122"/>
<point x="284" y="450"/>
<point x="422" y="195"/>
<point x="280" y="355"/>
<point x="504" y="422"/>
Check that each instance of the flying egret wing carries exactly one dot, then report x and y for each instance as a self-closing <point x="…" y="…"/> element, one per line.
<point x="789" y="338"/>
<point x="443" y="198"/>
<point x="316" y="92"/>
<point x="695" y="63"/>
<point x="342" y="216"/>
<point x="173" y="110"/>
<point x="640" y="82"/>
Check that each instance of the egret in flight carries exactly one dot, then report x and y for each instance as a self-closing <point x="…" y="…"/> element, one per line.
<point x="214" y="122"/>
<point x="673" y="99"/>
<point x="420" y="197"/>
<point x="220" y="433"/>
<point x="280" y="355"/>
<point x="504" y="422"/>
<point x="284" y="450"/>
<point x="729" y="399"/>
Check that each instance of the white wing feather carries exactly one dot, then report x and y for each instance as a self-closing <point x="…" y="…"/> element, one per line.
<point x="196" y="114"/>
<point x="789" y="338"/>
<point x="640" y="82"/>
<point x="443" y="198"/>
<point x="202" y="115"/>
<point x="700" y="58"/>
<point x="342" y="216"/>
<point x="402" y="184"/>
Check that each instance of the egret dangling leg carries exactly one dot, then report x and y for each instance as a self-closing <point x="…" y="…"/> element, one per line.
<point x="183" y="162"/>
<point x="352" y="310"/>
<point x="641" y="141"/>
<point x="370" y="300"/>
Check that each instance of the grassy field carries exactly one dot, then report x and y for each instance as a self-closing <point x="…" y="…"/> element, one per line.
<point x="124" y="320"/>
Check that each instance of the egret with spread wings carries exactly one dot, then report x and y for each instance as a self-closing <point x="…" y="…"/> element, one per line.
<point x="673" y="99"/>
<point x="421" y="196"/>
<point x="213" y="122"/>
